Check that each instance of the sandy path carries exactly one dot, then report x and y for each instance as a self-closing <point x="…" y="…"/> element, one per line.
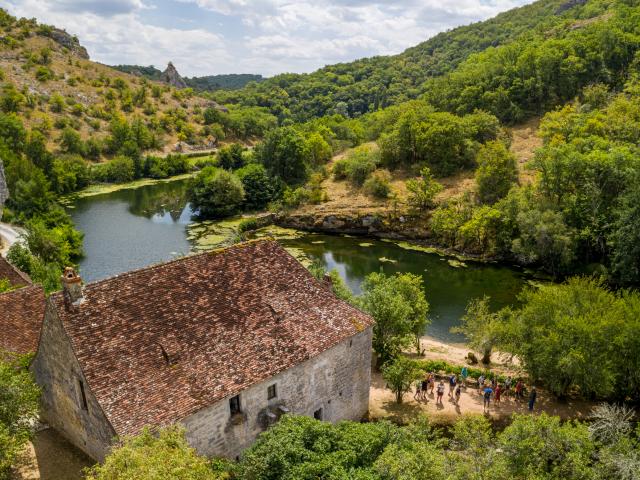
<point x="382" y="402"/>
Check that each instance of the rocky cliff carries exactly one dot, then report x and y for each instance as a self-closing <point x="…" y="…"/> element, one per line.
<point x="172" y="77"/>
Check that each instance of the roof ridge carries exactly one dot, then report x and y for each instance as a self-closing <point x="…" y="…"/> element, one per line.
<point x="154" y="266"/>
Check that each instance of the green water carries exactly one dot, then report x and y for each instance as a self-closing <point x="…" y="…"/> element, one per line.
<point x="129" y="229"/>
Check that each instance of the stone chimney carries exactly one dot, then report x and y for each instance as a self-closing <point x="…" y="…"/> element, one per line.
<point x="72" y="286"/>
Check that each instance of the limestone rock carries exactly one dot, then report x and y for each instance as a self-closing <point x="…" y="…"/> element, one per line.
<point x="68" y="41"/>
<point x="172" y="77"/>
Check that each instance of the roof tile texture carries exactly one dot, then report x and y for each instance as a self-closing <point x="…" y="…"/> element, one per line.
<point x="16" y="277"/>
<point x="21" y="314"/>
<point x="229" y="319"/>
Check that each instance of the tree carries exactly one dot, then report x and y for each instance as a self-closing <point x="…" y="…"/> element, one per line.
<point x="481" y="327"/>
<point x="423" y="191"/>
<point x="152" y="456"/>
<point x="70" y="142"/>
<point x="319" y="150"/>
<point x="216" y="193"/>
<point x="284" y="154"/>
<point x="577" y="336"/>
<point x="540" y="446"/>
<point x="400" y="374"/>
<point x="230" y="157"/>
<point x="258" y="187"/>
<point x="19" y="404"/>
<point x="497" y="172"/>
<point x="625" y="237"/>
<point x="398" y="305"/>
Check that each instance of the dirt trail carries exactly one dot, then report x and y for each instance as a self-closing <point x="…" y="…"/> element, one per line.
<point x="382" y="402"/>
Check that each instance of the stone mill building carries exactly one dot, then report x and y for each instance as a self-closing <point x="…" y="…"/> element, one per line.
<point x="223" y="342"/>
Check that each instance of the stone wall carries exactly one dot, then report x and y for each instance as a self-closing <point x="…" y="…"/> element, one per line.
<point x="57" y="371"/>
<point x="336" y="381"/>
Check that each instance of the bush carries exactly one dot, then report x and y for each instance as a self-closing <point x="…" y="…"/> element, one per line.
<point x="216" y="193"/>
<point x="119" y="170"/>
<point x="248" y="225"/>
<point x="378" y="184"/>
<point x="357" y="166"/>
<point x="69" y="173"/>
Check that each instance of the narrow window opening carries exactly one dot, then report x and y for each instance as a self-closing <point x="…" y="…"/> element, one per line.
<point x="318" y="414"/>
<point x="272" y="392"/>
<point x="234" y="404"/>
<point x="83" y="395"/>
<point x="350" y="343"/>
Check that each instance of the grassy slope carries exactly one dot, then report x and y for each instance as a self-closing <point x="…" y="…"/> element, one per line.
<point x="85" y="91"/>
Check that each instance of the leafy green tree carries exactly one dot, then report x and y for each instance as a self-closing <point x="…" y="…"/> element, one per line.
<point x="230" y="157"/>
<point x="285" y="155"/>
<point x="576" y="336"/>
<point x="19" y="405"/>
<point x="36" y="151"/>
<point x="69" y="173"/>
<point x="258" y="187"/>
<point x="152" y="456"/>
<point x="12" y="132"/>
<point x="625" y="237"/>
<point x="398" y="305"/>
<point x="481" y="327"/>
<point x="319" y="150"/>
<point x="400" y="374"/>
<point x="216" y="193"/>
<point x="544" y="238"/>
<point x="497" y="172"/>
<point x="423" y="191"/>
<point x="70" y="142"/>
<point x="540" y="446"/>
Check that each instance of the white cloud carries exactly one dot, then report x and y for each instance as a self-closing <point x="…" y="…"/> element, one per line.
<point x="125" y="39"/>
<point x="276" y="36"/>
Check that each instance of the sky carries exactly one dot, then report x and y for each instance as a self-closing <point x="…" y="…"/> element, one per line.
<point x="208" y="37"/>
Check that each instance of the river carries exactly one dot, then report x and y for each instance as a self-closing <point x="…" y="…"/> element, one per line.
<point x="133" y="228"/>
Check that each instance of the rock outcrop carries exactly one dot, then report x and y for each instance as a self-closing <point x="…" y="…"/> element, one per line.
<point x="68" y="41"/>
<point x="172" y="77"/>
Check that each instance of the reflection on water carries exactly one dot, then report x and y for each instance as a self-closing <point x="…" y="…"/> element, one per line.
<point x="129" y="229"/>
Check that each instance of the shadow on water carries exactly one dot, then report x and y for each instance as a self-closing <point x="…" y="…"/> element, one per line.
<point x="130" y="229"/>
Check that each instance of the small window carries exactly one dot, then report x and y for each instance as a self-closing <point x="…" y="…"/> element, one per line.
<point x="272" y="392"/>
<point x="351" y="343"/>
<point x="83" y="395"/>
<point x="234" y="404"/>
<point x="318" y="414"/>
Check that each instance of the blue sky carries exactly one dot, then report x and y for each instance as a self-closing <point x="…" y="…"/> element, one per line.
<point x="204" y="37"/>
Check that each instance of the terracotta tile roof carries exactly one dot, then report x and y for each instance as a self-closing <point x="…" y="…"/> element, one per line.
<point x="21" y="314"/>
<point x="15" y="276"/>
<point x="161" y="343"/>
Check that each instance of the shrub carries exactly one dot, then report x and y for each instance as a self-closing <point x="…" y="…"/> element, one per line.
<point x="248" y="225"/>
<point x="378" y="184"/>
<point x="43" y="74"/>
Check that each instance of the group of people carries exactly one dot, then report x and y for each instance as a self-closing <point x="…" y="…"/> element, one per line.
<point x="488" y="388"/>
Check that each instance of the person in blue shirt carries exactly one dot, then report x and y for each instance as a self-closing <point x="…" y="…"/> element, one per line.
<point x="465" y="374"/>
<point x="487" y="398"/>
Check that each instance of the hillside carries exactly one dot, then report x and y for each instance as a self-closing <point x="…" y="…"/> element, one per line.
<point x="52" y="85"/>
<point x="368" y="84"/>
<point x="207" y="83"/>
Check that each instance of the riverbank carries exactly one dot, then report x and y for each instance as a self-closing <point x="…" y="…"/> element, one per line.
<point x="105" y="188"/>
